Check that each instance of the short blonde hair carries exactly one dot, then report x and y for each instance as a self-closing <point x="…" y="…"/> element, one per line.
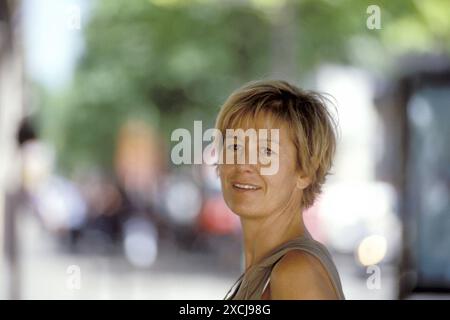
<point x="312" y="127"/>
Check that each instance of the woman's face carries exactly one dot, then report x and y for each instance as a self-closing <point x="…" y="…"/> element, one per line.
<point x="273" y="192"/>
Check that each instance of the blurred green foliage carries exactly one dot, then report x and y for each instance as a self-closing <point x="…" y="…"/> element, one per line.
<point x="172" y="62"/>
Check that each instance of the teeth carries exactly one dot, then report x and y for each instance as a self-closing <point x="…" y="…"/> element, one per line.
<point x="245" y="186"/>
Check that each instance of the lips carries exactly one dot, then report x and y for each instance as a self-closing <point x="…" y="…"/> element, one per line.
<point x="245" y="186"/>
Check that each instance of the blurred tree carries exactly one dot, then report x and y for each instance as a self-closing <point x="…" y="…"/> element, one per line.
<point x="172" y="62"/>
<point x="167" y="64"/>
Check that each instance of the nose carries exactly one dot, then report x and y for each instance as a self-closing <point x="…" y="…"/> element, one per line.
<point x="248" y="160"/>
<point x="245" y="167"/>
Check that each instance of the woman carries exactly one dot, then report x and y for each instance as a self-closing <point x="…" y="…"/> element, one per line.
<point x="282" y="260"/>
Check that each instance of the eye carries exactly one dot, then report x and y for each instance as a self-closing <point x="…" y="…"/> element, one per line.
<point x="233" y="146"/>
<point x="267" y="151"/>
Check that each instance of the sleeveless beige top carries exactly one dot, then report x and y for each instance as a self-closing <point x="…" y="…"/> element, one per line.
<point x="252" y="283"/>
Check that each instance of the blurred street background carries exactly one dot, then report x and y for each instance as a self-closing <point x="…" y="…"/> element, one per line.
<point x="91" y="205"/>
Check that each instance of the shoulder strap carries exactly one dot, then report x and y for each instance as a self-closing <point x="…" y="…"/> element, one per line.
<point x="252" y="282"/>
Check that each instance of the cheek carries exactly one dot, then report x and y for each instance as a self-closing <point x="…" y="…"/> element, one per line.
<point x="285" y="179"/>
<point x="221" y="171"/>
<point x="280" y="183"/>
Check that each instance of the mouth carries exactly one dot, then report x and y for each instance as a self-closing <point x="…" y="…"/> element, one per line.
<point x="245" y="187"/>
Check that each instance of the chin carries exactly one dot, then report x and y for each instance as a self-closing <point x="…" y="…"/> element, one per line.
<point x="245" y="212"/>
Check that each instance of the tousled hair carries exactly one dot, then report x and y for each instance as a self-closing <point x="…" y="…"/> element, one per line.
<point x="312" y="127"/>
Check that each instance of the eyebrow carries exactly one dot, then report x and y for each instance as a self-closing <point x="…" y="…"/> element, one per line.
<point x="268" y="139"/>
<point x="276" y="141"/>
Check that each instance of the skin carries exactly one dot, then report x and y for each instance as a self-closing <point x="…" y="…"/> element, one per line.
<point x="270" y="216"/>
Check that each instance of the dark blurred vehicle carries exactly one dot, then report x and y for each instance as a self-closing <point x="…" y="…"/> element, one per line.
<point x="415" y="109"/>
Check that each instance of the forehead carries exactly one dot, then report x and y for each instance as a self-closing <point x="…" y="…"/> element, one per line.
<point x="262" y="120"/>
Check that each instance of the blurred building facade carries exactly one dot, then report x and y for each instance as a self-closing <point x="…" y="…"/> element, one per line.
<point x="11" y="113"/>
<point x="415" y="111"/>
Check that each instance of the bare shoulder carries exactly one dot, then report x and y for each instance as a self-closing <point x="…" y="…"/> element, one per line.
<point x="300" y="275"/>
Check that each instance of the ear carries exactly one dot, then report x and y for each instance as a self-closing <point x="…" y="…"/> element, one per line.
<point x="303" y="182"/>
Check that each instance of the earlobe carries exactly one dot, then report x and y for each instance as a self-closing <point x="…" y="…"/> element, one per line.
<point x="303" y="182"/>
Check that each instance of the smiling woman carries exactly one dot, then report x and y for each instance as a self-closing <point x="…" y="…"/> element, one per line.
<point x="282" y="260"/>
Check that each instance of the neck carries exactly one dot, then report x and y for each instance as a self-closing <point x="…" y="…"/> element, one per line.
<point x="264" y="234"/>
